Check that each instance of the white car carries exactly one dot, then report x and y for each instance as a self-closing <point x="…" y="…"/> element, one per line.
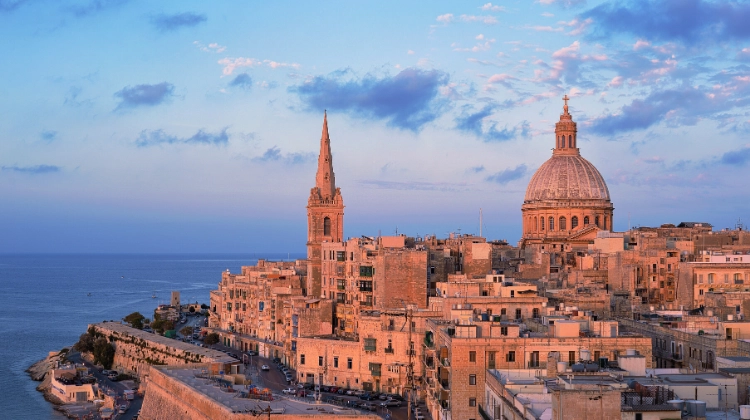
<point x="289" y="391"/>
<point x="264" y="367"/>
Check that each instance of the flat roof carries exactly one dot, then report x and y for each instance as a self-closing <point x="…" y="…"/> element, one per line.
<point x="194" y="378"/>
<point x="215" y="355"/>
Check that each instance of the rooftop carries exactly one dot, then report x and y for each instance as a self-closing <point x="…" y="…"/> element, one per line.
<point x="196" y="378"/>
<point x="215" y="355"/>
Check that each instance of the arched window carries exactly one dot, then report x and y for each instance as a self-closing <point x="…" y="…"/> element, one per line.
<point x="327" y="226"/>
<point x="585" y="220"/>
<point x="574" y="222"/>
<point x="562" y="223"/>
<point x="535" y="225"/>
<point x="541" y="223"/>
<point x="596" y="221"/>
<point x="551" y="223"/>
<point x="605" y="223"/>
<point x="570" y="141"/>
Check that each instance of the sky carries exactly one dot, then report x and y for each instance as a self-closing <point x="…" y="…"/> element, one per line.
<point x="189" y="126"/>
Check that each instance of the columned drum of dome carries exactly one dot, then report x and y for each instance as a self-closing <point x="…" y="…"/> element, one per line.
<point x="567" y="200"/>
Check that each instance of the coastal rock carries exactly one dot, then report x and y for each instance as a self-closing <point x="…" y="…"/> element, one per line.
<point x="38" y="372"/>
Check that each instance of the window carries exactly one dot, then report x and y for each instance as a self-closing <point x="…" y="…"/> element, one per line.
<point x="541" y="223"/>
<point x="335" y="362"/>
<point x="574" y="222"/>
<point x="726" y="278"/>
<point x="562" y="223"/>
<point x="551" y="223"/>
<point x="320" y="360"/>
<point x="472" y="379"/>
<point x="518" y="313"/>
<point x="327" y="226"/>
<point x="570" y="140"/>
<point x="710" y="278"/>
<point x="370" y="344"/>
<point x="737" y="278"/>
<point x="503" y="311"/>
<point x="585" y="220"/>
<point x="302" y="359"/>
<point x="472" y="402"/>
<point x="472" y="356"/>
<point x="340" y="256"/>
<point x="535" y="224"/>
<point x="366" y="271"/>
<point x="348" y="362"/>
<point x="511" y="356"/>
<point x="535" y="313"/>
<point x="571" y="357"/>
<point x="596" y="221"/>
<point x="503" y="330"/>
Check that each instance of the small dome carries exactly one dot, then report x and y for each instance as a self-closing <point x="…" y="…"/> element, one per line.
<point x="567" y="177"/>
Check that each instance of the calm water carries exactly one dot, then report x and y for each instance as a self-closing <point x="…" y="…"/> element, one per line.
<point x="46" y="307"/>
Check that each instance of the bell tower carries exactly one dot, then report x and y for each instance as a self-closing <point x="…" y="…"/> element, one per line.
<point x="325" y="213"/>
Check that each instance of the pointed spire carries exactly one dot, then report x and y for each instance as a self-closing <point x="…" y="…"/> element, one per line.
<point x="325" y="180"/>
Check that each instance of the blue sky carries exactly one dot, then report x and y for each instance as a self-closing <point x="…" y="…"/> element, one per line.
<point x="134" y="126"/>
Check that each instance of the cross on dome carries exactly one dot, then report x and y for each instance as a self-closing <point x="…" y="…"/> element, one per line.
<point x="565" y="107"/>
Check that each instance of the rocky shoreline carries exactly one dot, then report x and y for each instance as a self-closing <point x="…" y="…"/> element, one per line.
<point x="39" y="373"/>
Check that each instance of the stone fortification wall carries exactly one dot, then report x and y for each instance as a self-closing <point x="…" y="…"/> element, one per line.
<point x="167" y="399"/>
<point x="136" y="350"/>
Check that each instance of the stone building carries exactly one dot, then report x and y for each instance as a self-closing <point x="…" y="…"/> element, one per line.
<point x="325" y="213"/>
<point x="458" y="355"/>
<point x="567" y="200"/>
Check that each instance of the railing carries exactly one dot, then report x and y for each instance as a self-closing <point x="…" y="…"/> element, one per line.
<point x="445" y="384"/>
<point x="365" y="288"/>
<point x="340" y="287"/>
<point x="446" y="362"/>
<point x="484" y="415"/>
<point x="429" y="361"/>
<point x="365" y="303"/>
<point x="389" y="350"/>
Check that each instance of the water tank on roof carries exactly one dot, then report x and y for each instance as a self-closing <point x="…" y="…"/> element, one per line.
<point x="591" y="367"/>
<point x="585" y="355"/>
<point x="697" y="408"/>
<point x="745" y="412"/>
<point x="578" y="367"/>
<point x="677" y="404"/>
<point x="562" y="367"/>
<point x="632" y="383"/>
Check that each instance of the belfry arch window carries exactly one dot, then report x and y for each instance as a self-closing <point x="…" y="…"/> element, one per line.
<point x="585" y="220"/>
<point x="535" y="226"/>
<point x="562" y="223"/>
<point x="605" y="223"/>
<point x="327" y="226"/>
<point x="541" y="222"/>
<point x="570" y="141"/>
<point x="574" y="222"/>
<point x="551" y="223"/>
<point x="596" y="221"/>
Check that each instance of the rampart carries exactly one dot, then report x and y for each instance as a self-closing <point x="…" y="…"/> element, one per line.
<point x="136" y="350"/>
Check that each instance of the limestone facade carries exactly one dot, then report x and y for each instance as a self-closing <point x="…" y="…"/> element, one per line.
<point x="567" y="199"/>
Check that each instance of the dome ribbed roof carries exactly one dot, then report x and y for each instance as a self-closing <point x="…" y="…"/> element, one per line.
<point x="567" y="177"/>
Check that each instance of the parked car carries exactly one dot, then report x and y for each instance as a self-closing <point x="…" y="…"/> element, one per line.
<point x="395" y="397"/>
<point x="352" y="403"/>
<point x="123" y="409"/>
<point x="264" y="367"/>
<point x="351" y="392"/>
<point x="369" y="406"/>
<point x="383" y="397"/>
<point x="341" y="391"/>
<point x="333" y="389"/>
<point x="359" y="392"/>
<point x="289" y="391"/>
<point x="366" y="396"/>
<point x="325" y="388"/>
<point x="289" y="378"/>
<point x="391" y="403"/>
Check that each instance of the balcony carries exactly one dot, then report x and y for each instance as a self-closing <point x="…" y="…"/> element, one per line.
<point x="446" y="362"/>
<point x="446" y="384"/>
<point x="411" y="352"/>
<point x="365" y="303"/>
<point x="365" y="288"/>
<point x="429" y="362"/>
<point x="375" y="372"/>
<point x="389" y="350"/>
<point x="341" y="287"/>
<point x="535" y="364"/>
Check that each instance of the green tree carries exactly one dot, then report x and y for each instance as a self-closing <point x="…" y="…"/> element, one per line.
<point x="85" y="343"/>
<point x="135" y="320"/>
<point x="187" y="331"/>
<point x="211" y="338"/>
<point x="104" y="353"/>
<point x="162" y="325"/>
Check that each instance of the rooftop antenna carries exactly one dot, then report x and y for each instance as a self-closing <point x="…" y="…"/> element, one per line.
<point x="480" y="222"/>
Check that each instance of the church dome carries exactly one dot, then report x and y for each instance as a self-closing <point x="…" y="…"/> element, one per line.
<point x="567" y="177"/>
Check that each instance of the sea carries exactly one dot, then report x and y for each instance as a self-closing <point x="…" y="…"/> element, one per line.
<point x="49" y="300"/>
